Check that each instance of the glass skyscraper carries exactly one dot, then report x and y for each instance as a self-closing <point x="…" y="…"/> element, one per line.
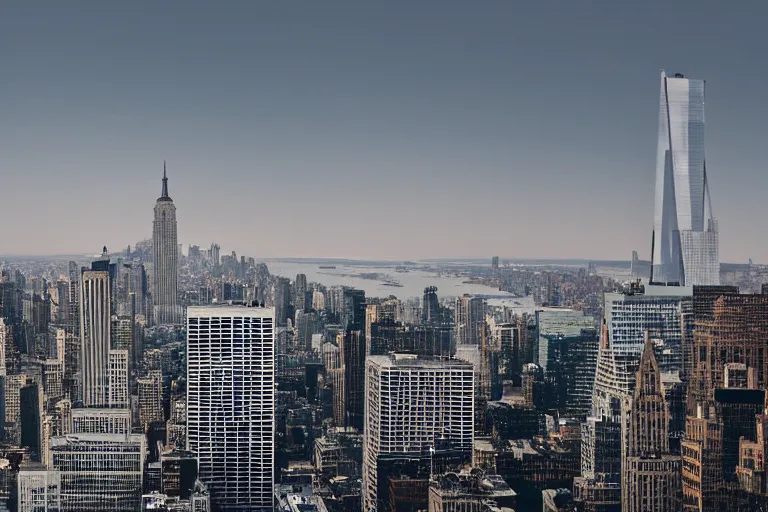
<point x="685" y="240"/>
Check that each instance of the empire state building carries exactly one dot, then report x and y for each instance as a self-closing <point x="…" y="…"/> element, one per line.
<point x="165" y="257"/>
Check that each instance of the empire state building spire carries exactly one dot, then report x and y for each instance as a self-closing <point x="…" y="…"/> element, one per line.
<point x="165" y="195"/>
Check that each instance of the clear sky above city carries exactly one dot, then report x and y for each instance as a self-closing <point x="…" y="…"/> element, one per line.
<point x="371" y="129"/>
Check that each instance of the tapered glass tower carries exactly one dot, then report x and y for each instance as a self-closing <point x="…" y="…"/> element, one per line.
<point x="685" y="240"/>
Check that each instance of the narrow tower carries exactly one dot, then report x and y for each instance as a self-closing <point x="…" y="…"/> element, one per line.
<point x="95" y="341"/>
<point x="165" y="258"/>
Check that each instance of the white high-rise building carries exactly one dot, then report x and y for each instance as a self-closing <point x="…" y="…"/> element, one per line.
<point x="166" y="259"/>
<point x="231" y="403"/>
<point x="685" y="239"/>
<point x="118" y="379"/>
<point x="95" y="324"/>
<point x="410" y="404"/>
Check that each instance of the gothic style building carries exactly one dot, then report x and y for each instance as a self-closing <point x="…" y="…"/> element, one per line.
<point x="651" y="474"/>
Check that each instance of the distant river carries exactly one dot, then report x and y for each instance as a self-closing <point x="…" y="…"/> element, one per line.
<point x="412" y="282"/>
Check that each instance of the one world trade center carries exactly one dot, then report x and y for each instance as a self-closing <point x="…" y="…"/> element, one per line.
<point x="685" y="241"/>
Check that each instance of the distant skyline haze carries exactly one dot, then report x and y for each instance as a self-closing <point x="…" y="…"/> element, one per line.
<point x="374" y="131"/>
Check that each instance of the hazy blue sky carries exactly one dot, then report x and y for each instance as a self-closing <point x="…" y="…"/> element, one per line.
<point x="371" y="129"/>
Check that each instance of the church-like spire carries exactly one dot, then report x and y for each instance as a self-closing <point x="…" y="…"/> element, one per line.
<point x="165" y="184"/>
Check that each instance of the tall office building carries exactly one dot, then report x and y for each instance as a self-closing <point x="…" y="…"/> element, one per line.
<point x="700" y="308"/>
<point x="231" y="403"/>
<point x="685" y="239"/>
<point x="651" y="474"/>
<point x="151" y="398"/>
<point x="352" y="347"/>
<point x="31" y="419"/>
<point x="123" y="336"/>
<point x="215" y="252"/>
<point x="95" y="327"/>
<point x="469" y="320"/>
<point x="658" y="309"/>
<point x="411" y="404"/>
<point x="430" y="306"/>
<point x="307" y="324"/>
<point x="734" y="332"/>
<point x="12" y="404"/>
<point x="353" y="310"/>
<point x="601" y="447"/>
<point x="570" y="371"/>
<point x="118" y="393"/>
<point x="555" y="323"/>
<point x="99" y="471"/>
<point x="166" y="259"/>
<point x="282" y="300"/>
<point x="300" y="293"/>
<point x="72" y="352"/>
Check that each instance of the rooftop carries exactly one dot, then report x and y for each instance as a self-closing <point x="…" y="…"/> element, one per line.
<point x="653" y="290"/>
<point x="96" y="439"/>
<point x="413" y="361"/>
<point x="105" y="412"/>
<point x="227" y="310"/>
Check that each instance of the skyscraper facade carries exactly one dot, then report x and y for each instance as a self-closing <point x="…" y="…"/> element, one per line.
<point x="685" y="239"/>
<point x="430" y="306"/>
<point x="117" y="459"/>
<point x="352" y="346"/>
<point x="300" y="292"/>
<point x="353" y="310"/>
<point x="72" y="380"/>
<point x="165" y="258"/>
<point x="554" y="323"/>
<point x="734" y="332"/>
<point x="118" y="379"/>
<point x="282" y="301"/>
<point x="411" y="404"/>
<point x="656" y="308"/>
<point x="231" y="403"/>
<point x="469" y="320"/>
<point x="95" y="327"/>
<point x="38" y="488"/>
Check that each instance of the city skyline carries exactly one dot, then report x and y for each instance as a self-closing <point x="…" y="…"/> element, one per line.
<point x="417" y="256"/>
<point x="464" y="112"/>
